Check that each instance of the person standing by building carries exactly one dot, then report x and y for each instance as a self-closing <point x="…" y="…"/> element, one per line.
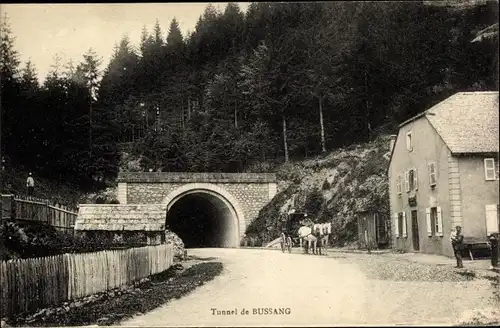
<point x="30" y="185"/>
<point x="494" y="239"/>
<point x="457" y="240"/>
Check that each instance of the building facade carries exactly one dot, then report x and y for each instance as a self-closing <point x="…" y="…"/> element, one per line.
<point x="443" y="172"/>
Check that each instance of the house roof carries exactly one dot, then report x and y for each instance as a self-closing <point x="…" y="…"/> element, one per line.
<point x="467" y="122"/>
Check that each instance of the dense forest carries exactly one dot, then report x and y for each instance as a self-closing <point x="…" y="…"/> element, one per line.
<point x="245" y="90"/>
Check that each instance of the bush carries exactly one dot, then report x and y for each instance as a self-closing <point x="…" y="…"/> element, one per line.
<point x="314" y="202"/>
<point x="326" y="185"/>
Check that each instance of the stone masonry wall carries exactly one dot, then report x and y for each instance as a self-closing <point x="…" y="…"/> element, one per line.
<point x="149" y="193"/>
<point x="252" y="197"/>
<point x="251" y="191"/>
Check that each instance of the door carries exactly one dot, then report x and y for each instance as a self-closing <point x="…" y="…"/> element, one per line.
<point x="414" y="231"/>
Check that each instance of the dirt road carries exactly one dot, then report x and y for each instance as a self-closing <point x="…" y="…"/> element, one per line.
<point x="306" y="290"/>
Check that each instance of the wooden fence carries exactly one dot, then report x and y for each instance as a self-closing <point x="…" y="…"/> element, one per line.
<point x="31" y="284"/>
<point x="34" y="209"/>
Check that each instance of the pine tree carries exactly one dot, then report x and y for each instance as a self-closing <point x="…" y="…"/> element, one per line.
<point x="232" y="22"/>
<point x="147" y="40"/>
<point x="9" y="56"/>
<point x="157" y="33"/>
<point x="10" y="116"/>
<point x="29" y="76"/>
<point x="174" y="38"/>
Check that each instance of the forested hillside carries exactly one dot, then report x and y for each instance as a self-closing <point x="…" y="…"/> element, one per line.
<point x="245" y="90"/>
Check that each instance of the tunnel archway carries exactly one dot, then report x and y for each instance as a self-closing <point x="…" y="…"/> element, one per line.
<point x="204" y="215"/>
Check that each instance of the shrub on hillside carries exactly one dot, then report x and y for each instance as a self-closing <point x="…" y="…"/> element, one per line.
<point x="32" y="239"/>
<point x="36" y="239"/>
<point x="326" y="185"/>
<point x="314" y="203"/>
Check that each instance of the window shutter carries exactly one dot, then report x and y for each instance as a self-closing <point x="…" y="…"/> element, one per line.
<point x="407" y="181"/>
<point x="491" y="219"/>
<point x="428" y="217"/>
<point x="415" y="179"/>
<point x="396" y="224"/>
<point x="439" y="231"/>
<point x="404" y="224"/>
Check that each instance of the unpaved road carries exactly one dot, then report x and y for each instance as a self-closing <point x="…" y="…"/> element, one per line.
<point x="317" y="290"/>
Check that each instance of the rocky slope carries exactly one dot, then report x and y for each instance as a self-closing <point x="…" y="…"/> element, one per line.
<point x="331" y="188"/>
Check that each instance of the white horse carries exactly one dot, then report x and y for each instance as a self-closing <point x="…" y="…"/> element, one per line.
<point x="305" y="234"/>
<point x="326" y="230"/>
<point x="317" y="235"/>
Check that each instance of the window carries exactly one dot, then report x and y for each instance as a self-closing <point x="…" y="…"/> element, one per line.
<point x="398" y="184"/>
<point x="400" y="225"/>
<point x="489" y="169"/>
<point x="409" y="144"/>
<point x="434" y="221"/>
<point x="412" y="180"/>
<point x="432" y="174"/>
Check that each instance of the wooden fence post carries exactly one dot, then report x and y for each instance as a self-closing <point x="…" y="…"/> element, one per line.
<point x="46" y="210"/>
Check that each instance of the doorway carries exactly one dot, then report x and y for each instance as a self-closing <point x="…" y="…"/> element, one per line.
<point x="414" y="231"/>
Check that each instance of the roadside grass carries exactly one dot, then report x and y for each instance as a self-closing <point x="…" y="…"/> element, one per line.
<point x="112" y="307"/>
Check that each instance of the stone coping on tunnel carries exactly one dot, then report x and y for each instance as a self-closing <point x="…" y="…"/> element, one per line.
<point x="151" y="177"/>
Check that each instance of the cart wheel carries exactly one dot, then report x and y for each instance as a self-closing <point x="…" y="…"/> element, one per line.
<point x="289" y="242"/>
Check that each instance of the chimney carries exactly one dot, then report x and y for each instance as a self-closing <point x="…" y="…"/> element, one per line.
<point x="392" y="141"/>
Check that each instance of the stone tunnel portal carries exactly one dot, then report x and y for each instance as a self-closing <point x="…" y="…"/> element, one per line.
<point x="203" y="218"/>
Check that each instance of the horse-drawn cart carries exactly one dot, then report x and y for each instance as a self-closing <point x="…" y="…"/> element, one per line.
<point x="290" y="222"/>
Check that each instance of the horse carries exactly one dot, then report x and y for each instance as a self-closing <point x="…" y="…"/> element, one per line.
<point x="312" y="243"/>
<point x="326" y="231"/>
<point x="318" y="233"/>
<point x="305" y="234"/>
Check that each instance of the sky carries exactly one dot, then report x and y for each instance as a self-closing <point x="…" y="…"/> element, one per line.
<point x="43" y="31"/>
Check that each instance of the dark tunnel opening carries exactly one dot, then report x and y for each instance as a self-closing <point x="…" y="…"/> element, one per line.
<point x="202" y="220"/>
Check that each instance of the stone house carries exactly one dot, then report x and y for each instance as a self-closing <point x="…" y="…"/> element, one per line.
<point x="443" y="172"/>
